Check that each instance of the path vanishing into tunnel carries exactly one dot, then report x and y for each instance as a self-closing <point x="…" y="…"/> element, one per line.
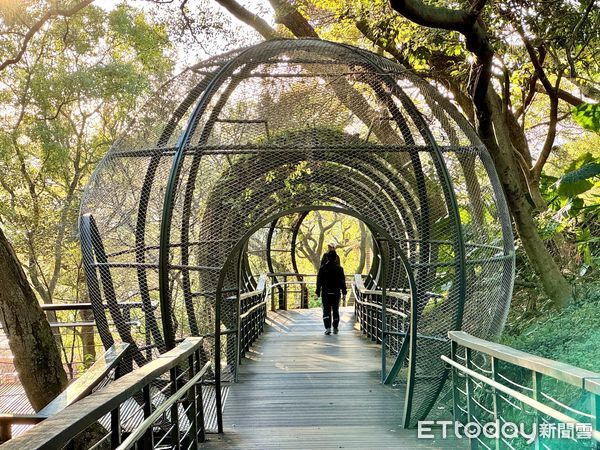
<point x="300" y="389"/>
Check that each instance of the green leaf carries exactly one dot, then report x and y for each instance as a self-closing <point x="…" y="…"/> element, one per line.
<point x="578" y="181"/>
<point x="588" y="116"/>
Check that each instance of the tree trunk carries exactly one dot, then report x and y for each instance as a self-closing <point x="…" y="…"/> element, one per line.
<point x="362" y="248"/>
<point x="36" y="354"/>
<point x="499" y="144"/>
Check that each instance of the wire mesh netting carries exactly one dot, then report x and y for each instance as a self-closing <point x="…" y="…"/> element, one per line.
<point x="233" y="144"/>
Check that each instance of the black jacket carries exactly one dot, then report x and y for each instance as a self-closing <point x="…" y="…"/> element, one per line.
<point x="331" y="279"/>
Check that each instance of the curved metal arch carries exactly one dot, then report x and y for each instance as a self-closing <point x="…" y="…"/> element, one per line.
<point x="96" y="257"/>
<point x="295" y="231"/>
<point x="349" y="188"/>
<point x="458" y="289"/>
<point x="215" y="82"/>
<point x="235" y="251"/>
<point x="448" y="188"/>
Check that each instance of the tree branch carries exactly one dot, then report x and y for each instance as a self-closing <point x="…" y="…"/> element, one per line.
<point x="468" y="24"/>
<point x="288" y="15"/>
<point x="536" y="171"/>
<point x="384" y="44"/>
<point x="562" y="95"/>
<point x="432" y="16"/>
<point x="573" y="71"/>
<point x="249" y="18"/>
<point x="54" y="12"/>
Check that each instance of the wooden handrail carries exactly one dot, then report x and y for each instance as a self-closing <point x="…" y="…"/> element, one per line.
<point x="56" y="431"/>
<point x="360" y="286"/>
<point x="582" y="378"/>
<point x="545" y="409"/>
<point x="139" y="431"/>
<point x="260" y="288"/>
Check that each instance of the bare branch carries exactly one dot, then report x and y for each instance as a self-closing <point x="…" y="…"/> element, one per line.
<point x="249" y="18"/>
<point x="569" y="48"/>
<point x="536" y="171"/>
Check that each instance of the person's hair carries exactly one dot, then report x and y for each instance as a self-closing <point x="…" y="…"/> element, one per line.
<point x="331" y="256"/>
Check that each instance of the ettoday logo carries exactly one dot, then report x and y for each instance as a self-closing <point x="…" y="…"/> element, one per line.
<point x="506" y="430"/>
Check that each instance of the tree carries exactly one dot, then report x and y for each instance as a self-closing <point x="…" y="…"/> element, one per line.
<point x="493" y="122"/>
<point x="67" y="92"/>
<point x="36" y="355"/>
<point x="321" y="227"/>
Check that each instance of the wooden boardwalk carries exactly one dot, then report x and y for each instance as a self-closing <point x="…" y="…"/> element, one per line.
<point x="299" y="389"/>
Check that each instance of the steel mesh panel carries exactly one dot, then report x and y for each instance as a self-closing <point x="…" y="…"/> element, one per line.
<point x="229" y="147"/>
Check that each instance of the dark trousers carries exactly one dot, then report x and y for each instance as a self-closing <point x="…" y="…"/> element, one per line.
<point x="331" y="309"/>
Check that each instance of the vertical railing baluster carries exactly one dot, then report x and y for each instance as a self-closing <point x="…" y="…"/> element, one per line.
<point x="174" y="411"/>
<point x="595" y="410"/>
<point x="384" y="246"/>
<point x="536" y="385"/>
<point x="148" y="439"/>
<point x="115" y="427"/>
<point x="285" y="292"/>
<point x="455" y="393"/>
<point x="191" y="398"/>
<point x="470" y="393"/>
<point x="496" y="400"/>
<point x="272" y="298"/>
<point x="199" y="402"/>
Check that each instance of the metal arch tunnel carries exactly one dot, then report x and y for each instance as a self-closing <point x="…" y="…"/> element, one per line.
<point x="286" y="127"/>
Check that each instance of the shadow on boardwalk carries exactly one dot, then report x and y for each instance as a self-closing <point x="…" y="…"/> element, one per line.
<point x="299" y="389"/>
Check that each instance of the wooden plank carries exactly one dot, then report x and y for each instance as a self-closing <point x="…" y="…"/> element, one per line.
<point x="299" y="389"/>
<point x="82" y="387"/>
<point x="555" y="369"/>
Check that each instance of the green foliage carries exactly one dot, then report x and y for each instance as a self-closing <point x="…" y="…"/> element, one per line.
<point x="65" y="102"/>
<point x="573" y="208"/>
<point x="578" y="177"/>
<point x="571" y="335"/>
<point x="588" y="116"/>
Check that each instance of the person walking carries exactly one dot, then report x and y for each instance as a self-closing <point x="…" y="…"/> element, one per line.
<point x="331" y="281"/>
<point x="330" y="248"/>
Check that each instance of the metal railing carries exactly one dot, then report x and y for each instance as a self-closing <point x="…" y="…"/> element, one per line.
<point x="74" y="328"/>
<point x="525" y="394"/>
<point x="159" y="405"/>
<point x="252" y="316"/>
<point x="297" y="290"/>
<point x="370" y="310"/>
<point x="289" y="290"/>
